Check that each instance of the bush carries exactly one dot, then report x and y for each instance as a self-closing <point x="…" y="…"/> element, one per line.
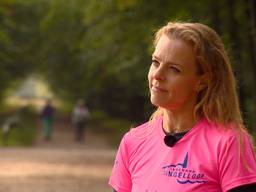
<point x="110" y="127"/>
<point x="22" y="131"/>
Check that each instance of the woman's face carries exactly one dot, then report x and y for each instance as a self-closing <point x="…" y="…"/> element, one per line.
<point x="173" y="78"/>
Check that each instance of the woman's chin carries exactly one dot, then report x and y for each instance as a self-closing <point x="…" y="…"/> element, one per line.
<point x="157" y="102"/>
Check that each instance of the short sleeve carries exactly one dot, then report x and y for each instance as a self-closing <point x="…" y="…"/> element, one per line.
<point x="120" y="179"/>
<point x="237" y="164"/>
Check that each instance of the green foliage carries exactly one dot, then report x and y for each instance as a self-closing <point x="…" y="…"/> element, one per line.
<point x="101" y="50"/>
<point x="61" y="31"/>
<point x="18" y="40"/>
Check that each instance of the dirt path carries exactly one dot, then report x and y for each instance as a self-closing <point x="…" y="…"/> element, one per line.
<point x="60" y="165"/>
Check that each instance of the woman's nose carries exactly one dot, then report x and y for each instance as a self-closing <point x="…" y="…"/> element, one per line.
<point x="159" y="73"/>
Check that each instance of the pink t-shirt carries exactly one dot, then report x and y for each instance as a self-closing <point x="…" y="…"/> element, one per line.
<point x="206" y="159"/>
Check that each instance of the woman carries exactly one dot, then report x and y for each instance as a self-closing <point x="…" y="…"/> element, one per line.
<point x="196" y="140"/>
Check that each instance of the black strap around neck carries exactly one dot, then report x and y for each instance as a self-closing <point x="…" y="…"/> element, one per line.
<point x="171" y="139"/>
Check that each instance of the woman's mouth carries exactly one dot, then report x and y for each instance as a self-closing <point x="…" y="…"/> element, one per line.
<point x="157" y="89"/>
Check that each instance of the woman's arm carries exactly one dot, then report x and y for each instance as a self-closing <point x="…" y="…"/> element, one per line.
<point x="245" y="188"/>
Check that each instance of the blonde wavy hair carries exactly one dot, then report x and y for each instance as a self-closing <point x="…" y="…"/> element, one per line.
<point x="217" y="100"/>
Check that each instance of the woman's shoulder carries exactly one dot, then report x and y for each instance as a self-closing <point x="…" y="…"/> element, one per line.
<point x="225" y="132"/>
<point x="142" y="132"/>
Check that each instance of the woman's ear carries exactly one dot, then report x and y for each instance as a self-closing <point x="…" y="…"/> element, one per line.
<point x="200" y="87"/>
<point x="201" y="84"/>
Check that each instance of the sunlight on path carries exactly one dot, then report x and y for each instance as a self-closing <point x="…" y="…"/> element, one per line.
<point x="55" y="170"/>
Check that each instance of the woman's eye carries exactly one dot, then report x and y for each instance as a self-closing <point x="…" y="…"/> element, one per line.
<point x="176" y="70"/>
<point x="155" y="63"/>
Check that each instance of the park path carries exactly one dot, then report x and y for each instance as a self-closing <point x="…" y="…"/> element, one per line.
<point x="60" y="165"/>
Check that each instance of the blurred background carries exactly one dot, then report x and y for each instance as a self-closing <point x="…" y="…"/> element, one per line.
<point x="98" y="51"/>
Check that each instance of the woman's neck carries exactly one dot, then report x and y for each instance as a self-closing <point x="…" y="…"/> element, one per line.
<point x="177" y="122"/>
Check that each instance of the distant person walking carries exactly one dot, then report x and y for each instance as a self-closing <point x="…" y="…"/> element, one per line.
<point x="79" y="119"/>
<point x="47" y="114"/>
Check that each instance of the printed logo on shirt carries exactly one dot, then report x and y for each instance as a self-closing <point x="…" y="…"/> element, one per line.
<point x="183" y="174"/>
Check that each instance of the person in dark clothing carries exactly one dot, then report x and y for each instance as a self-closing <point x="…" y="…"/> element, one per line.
<point x="47" y="115"/>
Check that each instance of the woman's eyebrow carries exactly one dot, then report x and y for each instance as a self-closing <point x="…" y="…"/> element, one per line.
<point x="168" y="62"/>
<point x="156" y="57"/>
